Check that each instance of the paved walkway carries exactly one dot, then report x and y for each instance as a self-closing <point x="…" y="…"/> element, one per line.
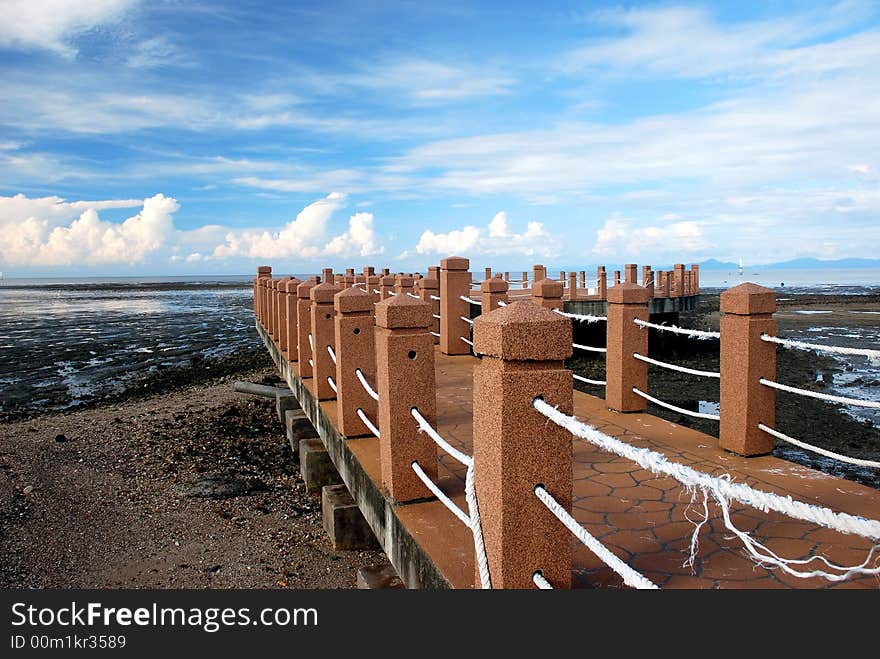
<point x="640" y="517"/>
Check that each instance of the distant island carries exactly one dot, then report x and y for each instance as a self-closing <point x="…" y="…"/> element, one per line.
<point x="793" y="264"/>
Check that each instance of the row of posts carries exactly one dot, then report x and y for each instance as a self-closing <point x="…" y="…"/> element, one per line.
<point x="337" y="330"/>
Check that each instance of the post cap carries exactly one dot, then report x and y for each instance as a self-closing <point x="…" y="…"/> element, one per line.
<point x="264" y="270"/>
<point x="523" y="331"/>
<point x="748" y="299"/>
<point x="323" y="293"/>
<point x="494" y="285"/>
<point x="387" y="280"/>
<point x="352" y="300"/>
<point x="404" y="281"/>
<point x="628" y="293"/>
<point x="455" y="263"/>
<point x="291" y="284"/>
<point x="547" y="288"/>
<point x="429" y="283"/>
<point x="403" y="311"/>
<point x="302" y="291"/>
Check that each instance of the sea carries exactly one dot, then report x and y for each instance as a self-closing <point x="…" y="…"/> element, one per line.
<point x="67" y="342"/>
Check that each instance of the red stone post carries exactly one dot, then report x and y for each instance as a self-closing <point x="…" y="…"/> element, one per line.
<point x="263" y="272"/>
<point x="572" y="286"/>
<point x="282" y="314"/>
<point x="525" y="279"/>
<point x="524" y="347"/>
<point x="747" y="312"/>
<point x="405" y="379"/>
<point x="617" y="277"/>
<point x="270" y="308"/>
<point x="602" y="283"/>
<point x="292" y="312"/>
<point x="582" y="276"/>
<point x="488" y="273"/>
<point x="403" y="284"/>
<point x="493" y="291"/>
<point x="455" y="281"/>
<point x="646" y="272"/>
<point x="304" y="326"/>
<point x="626" y="302"/>
<point x="696" y="270"/>
<point x="355" y="350"/>
<point x="547" y="293"/>
<point x="632" y="271"/>
<point x="429" y="290"/>
<point x="678" y="280"/>
<point x="323" y="335"/>
<point x="386" y="286"/>
<point x="538" y="273"/>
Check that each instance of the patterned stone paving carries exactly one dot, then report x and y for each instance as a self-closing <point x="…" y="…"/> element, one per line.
<point x="646" y="520"/>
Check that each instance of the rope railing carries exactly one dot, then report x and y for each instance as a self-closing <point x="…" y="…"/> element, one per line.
<point x="437" y="492"/>
<point x="581" y="378"/>
<point x="437" y="334"/>
<point x="674" y="408"/>
<point x="580" y="346"/>
<point x="332" y="354"/>
<point x="723" y="489"/>
<point x="581" y="317"/>
<point x="697" y="334"/>
<point x="366" y="385"/>
<point x="435" y="297"/>
<point x="471" y="300"/>
<point x="873" y="355"/>
<point x="818" y="394"/>
<point x="674" y="367"/>
<point x="426" y="427"/>
<point x="377" y="291"/>
<point x="332" y="384"/>
<point x="541" y="582"/>
<point x="311" y="363"/>
<point x="311" y="344"/>
<point x="369" y="424"/>
<point x="412" y="295"/>
<point x="468" y="341"/>
<point x="873" y="464"/>
<point x="436" y="315"/>
<point x="630" y="576"/>
<point x="467" y="320"/>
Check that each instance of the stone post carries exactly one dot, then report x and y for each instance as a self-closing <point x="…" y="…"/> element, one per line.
<point x="323" y="335"/>
<point x="582" y="278"/>
<point x="525" y="279"/>
<point x="282" y="314"/>
<point x="547" y="293"/>
<point x="488" y="273"/>
<point x="695" y="267"/>
<point x="538" y="273"/>
<point x="493" y="291"/>
<point x="678" y="280"/>
<point x="403" y="285"/>
<point x="515" y="448"/>
<point x="349" y="279"/>
<point x="632" y="271"/>
<point x="429" y="290"/>
<point x="373" y="286"/>
<point x="646" y="270"/>
<point x="263" y="272"/>
<point x="507" y="277"/>
<point x="270" y="308"/>
<point x="386" y="272"/>
<point x="626" y="302"/>
<point x="455" y="281"/>
<point x="405" y="379"/>
<point x="304" y="326"/>
<point x="355" y="349"/>
<point x="386" y="286"/>
<point x="602" y="283"/>
<point x="572" y="286"/>
<point x="562" y="277"/>
<point x="747" y="312"/>
<point x="291" y="311"/>
<point x="666" y="278"/>
<point x="617" y="277"/>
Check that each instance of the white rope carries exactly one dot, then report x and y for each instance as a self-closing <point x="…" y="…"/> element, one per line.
<point x="377" y="291"/>
<point x="437" y="492"/>
<point x="590" y="348"/>
<point x="820" y="395"/>
<point x="542" y="583"/>
<point x="468" y="341"/>
<point x="435" y="297"/>
<point x="436" y="315"/>
<point x="437" y="334"/>
<point x="467" y="320"/>
<point x="588" y="380"/>
<point x="630" y="576"/>
<point x="582" y="317"/>
<point x="464" y="459"/>
<point x="311" y="344"/>
<point x="332" y="384"/>
<point x="697" y="334"/>
<point x="470" y="494"/>
<point x="332" y="354"/>
<point x="673" y="367"/>
<point x="311" y="363"/>
<point x="821" y="451"/>
<point x="873" y="355"/>
<point x="415" y="296"/>
<point x="472" y="301"/>
<point x="391" y="293"/>
<point x="502" y="303"/>
<point x="699" y="415"/>
<point x="693" y="479"/>
<point x="369" y="424"/>
<point x="365" y="384"/>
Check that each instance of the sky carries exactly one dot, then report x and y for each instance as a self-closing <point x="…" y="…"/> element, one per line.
<point x="183" y="137"/>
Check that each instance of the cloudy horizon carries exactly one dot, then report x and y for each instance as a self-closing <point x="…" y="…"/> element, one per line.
<point x="183" y="137"/>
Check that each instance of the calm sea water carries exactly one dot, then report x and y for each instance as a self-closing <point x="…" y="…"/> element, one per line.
<point x="64" y="342"/>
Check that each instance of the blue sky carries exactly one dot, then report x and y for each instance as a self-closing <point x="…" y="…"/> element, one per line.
<point x="175" y="137"/>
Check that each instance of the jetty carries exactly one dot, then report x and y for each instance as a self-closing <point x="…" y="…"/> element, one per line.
<point x="437" y="416"/>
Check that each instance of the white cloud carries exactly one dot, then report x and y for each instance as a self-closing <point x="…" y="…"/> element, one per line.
<point x="54" y="210"/>
<point x="622" y="239"/>
<point x="496" y="238"/>
<point x="88" y="239"/>
<point x="155" y="52"/>
<point x="305" y="236"/>
<point x="52" y="24"/>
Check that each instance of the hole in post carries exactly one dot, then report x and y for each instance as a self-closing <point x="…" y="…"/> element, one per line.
<point x="327" y="316"/>
<point x="412" y="354"/>
<point x="357" y="330"/>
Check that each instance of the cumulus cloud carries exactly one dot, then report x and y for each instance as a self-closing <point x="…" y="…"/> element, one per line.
<point x="305" y="236"/>
<point x="52" y="24"/>
<point x="622" y="238"/>
<point x="88" y="239"/>
<point x="496" y="238"/>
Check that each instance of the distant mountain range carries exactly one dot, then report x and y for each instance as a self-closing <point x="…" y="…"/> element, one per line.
<point x="794" y="264"/>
